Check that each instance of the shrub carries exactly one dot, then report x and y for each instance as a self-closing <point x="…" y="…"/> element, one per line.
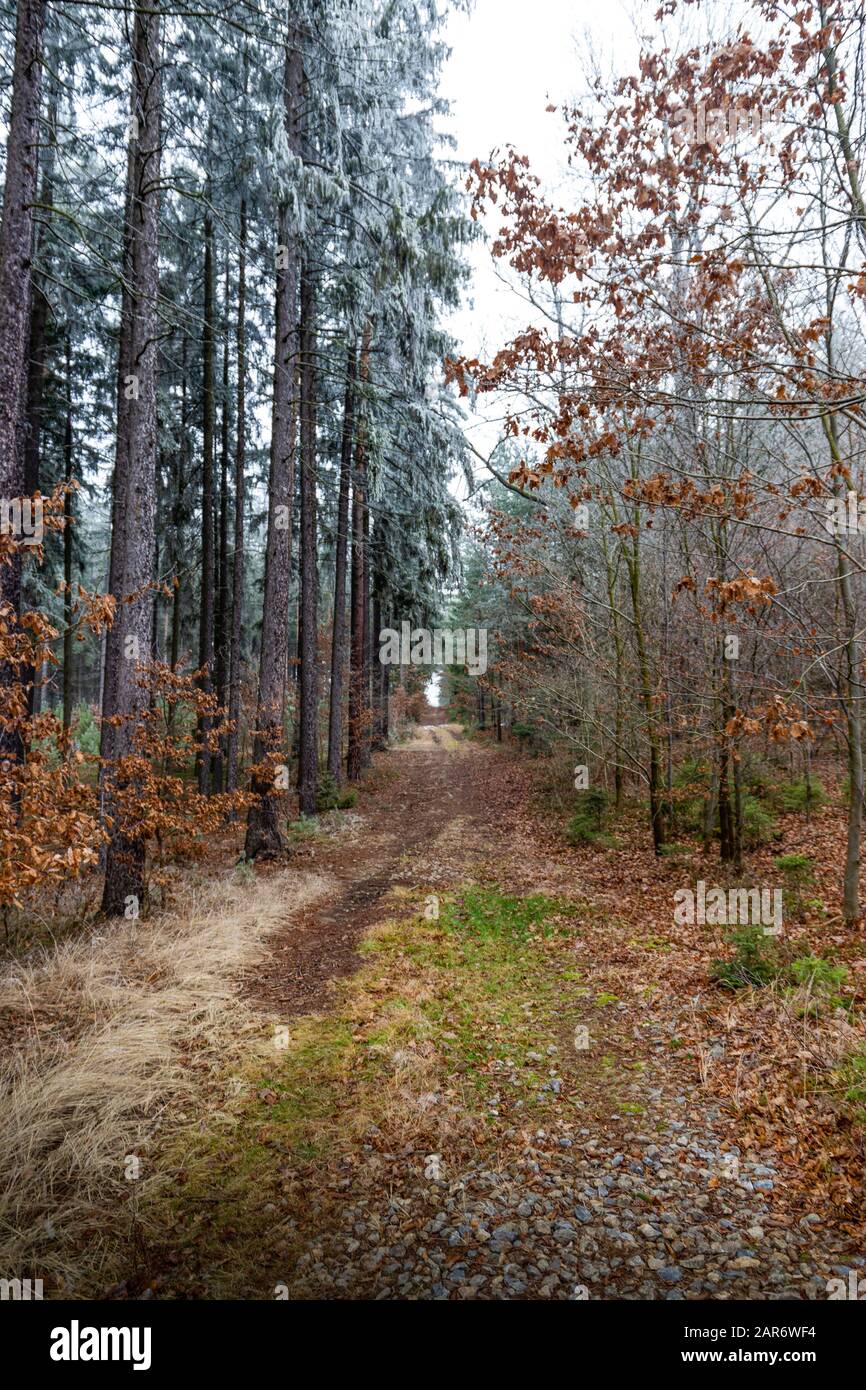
<point x="800" y="795"/>
<point x="819" y="979"/>
<point x="531" y="736"/>
<point x="758" y="824"/>
<point x="797" y="866"/>
<point x="853" y="1078"/>
<point x="692" y="773"/>
<point x="756" y="777"/>
<point x="330" y="798"/>
<point x="797" y="869"/>
<point x="587" y="824"/>
<point x="691" y="779"/>
<point x="85" y="730"/>
<point x="755" y="960"/>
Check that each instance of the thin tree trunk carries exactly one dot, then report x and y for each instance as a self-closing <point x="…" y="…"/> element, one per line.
<point x="37" y="362"/>
<point x="16" y="243"/>
<point x="308" y="753"/>
<point x="367" y="713"/>
<point x="222" y="588"/>
<point x="179" y="472"/>
<point x="338" y="642"/>
<point x="853" y="699"/>
<point x="234" y="707"/>
<point x="376" y="666"/>
<point x="68" y="473"/>
<point x="354" y="759"/>
<point x="655" y="768"/>
<point x="206" y="613"/>
<point x="132" y="540"/>
<point x="263" y="834"/>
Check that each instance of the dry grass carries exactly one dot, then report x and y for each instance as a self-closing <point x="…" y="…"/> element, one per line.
<point x="446" y="738"/>
<point x="119" y="1034"/>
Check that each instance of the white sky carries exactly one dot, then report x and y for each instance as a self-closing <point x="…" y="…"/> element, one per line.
<point x="509" y="60"/>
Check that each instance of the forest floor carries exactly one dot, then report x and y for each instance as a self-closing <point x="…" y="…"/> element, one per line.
<point x="535" y="1093"/>
<point x="472" y="1061"/>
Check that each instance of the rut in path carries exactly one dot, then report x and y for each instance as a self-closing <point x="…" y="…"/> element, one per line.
<point x="634" y="1180"/>
<point x="431" y="789"/>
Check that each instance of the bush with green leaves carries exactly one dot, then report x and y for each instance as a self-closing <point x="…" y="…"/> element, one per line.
<point x="85" y="730"/>
<point x="758" y="824"/>
<point x="755" y="961"/>
<point x="691" y="782"/>
<point x="800" y="795"/>
<point x="586" y="826"/>
<point x="330" y="798"/>
<point x="853" y="1078"/>
<point x="818" y="981"/>
<point x="692" y="774"/>
<point x="531" y="736"/>
<point x="756" y="778"/>
<point x="797" y="869"/>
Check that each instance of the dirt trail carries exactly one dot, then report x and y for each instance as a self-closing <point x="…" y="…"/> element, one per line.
<point x="592" y="1153"/>
<point x="319" y="945"/>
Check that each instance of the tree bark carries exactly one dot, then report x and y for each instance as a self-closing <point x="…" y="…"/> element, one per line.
<point x="134" y="509"/>
<point x="16" y="243"/>
<point x="338" y="641"/>
<point x="68" y="474"/>
<point x="37" y="360"/>
<point x="206" y="612"/>
<point x="179" y="474"/>
<point x="234" y="704"/>
<point x="853" y="685"/>
<point x="308" y="755"/>
<point x="263" y="834"/>
<point x="367" y="684"/>
<point x="222" y="567"/>
<point x="655" y="768"/>
<point x="358" y="644"/>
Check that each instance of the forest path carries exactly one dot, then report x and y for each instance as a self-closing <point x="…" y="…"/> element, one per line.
<point x="508" y="1091"/>
<point x="426" y="792"/>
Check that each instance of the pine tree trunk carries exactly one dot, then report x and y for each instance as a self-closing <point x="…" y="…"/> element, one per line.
<point x="68" y="473"/>
<point x="367" y="711"/>
<point x="263" y="834"/>
<point x="308" y="754"/>
<point x="358" y="644"/>
<point x="222" y="568"/>
<point x="206" y="612"/>
<point x="37" y="373"/>
<point x="133" y="531"/>
<point x="179" y="476"/>
<point x="234" y="704"/>
<point x="377" y="667"/>
<point x="16" y="242"/>
<point x="384" y="701"/>
<point x="338" y="643"/>
<point x="37" y="362"/>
